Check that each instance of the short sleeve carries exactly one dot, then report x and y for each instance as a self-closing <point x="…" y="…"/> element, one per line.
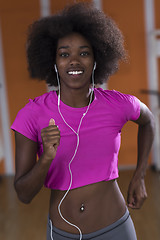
<point x="128" y="106"/>
<point x="132" y="108"/>
<point x="26" y="123"/>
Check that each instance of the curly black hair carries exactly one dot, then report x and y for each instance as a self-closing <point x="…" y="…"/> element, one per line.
<point x="100" y="30"/>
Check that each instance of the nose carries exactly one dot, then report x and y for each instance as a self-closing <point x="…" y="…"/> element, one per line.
<point x="74" y="61"/>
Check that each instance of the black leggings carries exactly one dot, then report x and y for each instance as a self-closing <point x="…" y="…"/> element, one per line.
<point x="123" y="229"/>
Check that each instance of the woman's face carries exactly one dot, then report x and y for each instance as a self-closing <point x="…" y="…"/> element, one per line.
<point x="74" y="60"/>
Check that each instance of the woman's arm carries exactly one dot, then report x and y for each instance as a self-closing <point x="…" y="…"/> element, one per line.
<point x="30" y="173"/>
<point x="137" y="191"/>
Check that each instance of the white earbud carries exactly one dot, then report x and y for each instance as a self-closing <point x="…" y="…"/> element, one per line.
<point x="94" y="66"/>
<point x="55" y="67"/>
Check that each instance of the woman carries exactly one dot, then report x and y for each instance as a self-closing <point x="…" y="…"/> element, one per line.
<point x="76" y="129"/>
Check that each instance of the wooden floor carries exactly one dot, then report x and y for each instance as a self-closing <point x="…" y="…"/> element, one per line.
<point x="28" y="222"/>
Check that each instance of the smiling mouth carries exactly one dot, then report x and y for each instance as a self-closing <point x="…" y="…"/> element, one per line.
<point x="75" y="72"/>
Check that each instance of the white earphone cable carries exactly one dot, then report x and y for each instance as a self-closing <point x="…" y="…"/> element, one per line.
<point x="77" y="134"/>
<point x="51" y="230"/>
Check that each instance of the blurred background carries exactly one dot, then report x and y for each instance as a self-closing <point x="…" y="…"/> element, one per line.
<point x="139" y="20"/>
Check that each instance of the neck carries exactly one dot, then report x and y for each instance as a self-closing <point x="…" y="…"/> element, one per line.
<point x="76" y="98"/>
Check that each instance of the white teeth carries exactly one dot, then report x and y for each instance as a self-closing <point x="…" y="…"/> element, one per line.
<point x="75" y="72"/>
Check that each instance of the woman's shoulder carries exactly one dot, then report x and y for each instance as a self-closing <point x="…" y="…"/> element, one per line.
<point x="42" y="99"/>
<point x="39" y="102"/>
<point x="114" y="95"/>
<point x="124" y="104"/>
<point x="27" y="121"/>
<point x="110" y="94"/>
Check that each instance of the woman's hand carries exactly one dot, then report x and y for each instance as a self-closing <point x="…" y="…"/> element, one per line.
<point x="30" y="173"/>
<point x="50" y="139"/>
<point x="137" y="190"/>
<point x="136" y="193"/>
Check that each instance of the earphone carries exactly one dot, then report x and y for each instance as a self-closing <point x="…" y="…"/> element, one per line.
<point x="78" y="140"/>
<point x="95" y="65"/>
<point x="55" y="68"/>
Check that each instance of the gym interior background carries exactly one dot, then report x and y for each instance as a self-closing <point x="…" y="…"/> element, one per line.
<point x="16" y="88"/>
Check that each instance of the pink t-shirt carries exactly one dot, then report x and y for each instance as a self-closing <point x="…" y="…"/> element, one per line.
<point x="100" y="135"/>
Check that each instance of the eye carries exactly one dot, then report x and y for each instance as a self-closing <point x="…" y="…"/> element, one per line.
<point x="84" y="53"/>
<point x="64" y="54"/>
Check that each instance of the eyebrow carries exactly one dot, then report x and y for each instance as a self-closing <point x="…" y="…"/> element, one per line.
<point x="65" y="47"/>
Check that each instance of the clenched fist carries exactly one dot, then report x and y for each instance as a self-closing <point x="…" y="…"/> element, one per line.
<point x="50" y="139"/>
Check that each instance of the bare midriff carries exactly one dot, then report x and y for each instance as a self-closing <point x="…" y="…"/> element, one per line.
<point x="91" y="207"/>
